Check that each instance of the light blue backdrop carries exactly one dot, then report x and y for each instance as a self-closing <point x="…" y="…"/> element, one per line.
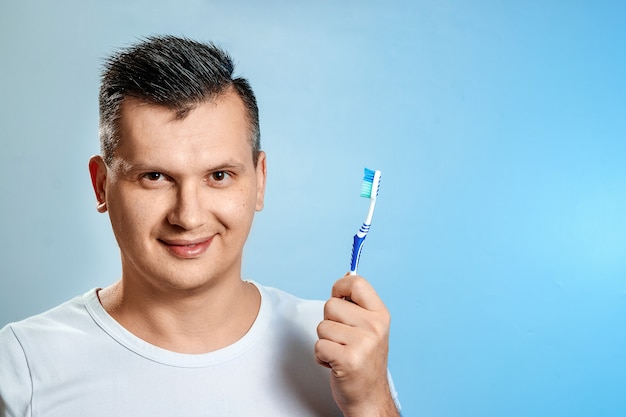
<point x="499" y="241"/>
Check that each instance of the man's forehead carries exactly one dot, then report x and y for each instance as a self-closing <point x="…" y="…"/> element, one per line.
<point x="180" y="110"/>
<point x="148" y="131"/>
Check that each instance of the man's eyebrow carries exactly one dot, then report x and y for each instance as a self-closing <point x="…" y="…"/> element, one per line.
<point x="127" y="168"/>
<point x="234" y="165"/>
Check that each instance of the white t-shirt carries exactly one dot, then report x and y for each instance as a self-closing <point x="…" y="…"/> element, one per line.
<point x="76" y="360"/>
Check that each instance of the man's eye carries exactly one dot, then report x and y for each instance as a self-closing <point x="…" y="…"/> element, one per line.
<point x="153" y="176"/>
<point x="219" y="176"/>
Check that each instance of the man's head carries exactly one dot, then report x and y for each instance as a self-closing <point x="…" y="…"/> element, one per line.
<point x="178" y="175"/>
<point x="176" y="73"/>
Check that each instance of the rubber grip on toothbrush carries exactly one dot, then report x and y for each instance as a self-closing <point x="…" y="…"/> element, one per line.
<point x="359" y="238"/>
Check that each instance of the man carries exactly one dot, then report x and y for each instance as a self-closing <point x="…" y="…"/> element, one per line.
<point x="181" y="175"/>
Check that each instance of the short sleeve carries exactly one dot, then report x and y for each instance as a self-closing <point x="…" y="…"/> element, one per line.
<point x="394" y="393"/>
<point x="15" y="382"/>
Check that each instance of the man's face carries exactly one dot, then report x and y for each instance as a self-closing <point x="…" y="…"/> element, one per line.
<point x="181" y="193"/>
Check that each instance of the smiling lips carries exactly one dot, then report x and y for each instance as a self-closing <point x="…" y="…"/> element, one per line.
<point x="188" y="249"/>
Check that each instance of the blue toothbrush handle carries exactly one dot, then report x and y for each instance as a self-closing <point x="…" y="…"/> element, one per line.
<point x="357" y="245"/>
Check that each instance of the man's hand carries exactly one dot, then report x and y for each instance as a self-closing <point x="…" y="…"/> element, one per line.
<point x="353" y="343"/>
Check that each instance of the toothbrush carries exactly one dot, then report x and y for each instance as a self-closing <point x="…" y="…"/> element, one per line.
<point x="369" y="189"/>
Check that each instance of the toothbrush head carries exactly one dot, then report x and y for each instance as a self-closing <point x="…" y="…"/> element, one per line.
<point x="371" y="184"/>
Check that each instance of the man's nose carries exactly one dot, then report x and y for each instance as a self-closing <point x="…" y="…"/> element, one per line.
<point x="188" y="211"/>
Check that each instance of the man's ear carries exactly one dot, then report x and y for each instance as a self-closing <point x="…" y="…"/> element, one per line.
<point x="261" y="177"/>
<point x="98" y="172"/>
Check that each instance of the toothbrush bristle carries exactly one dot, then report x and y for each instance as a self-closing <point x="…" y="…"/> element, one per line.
<point x="366" y="189"/>
<point x="368" y="183"/>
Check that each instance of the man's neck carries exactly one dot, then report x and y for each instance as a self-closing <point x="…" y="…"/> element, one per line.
<point x="198" y="322"/>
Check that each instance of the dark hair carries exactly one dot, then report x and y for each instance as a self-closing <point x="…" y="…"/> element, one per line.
<point x="177" y="73"/>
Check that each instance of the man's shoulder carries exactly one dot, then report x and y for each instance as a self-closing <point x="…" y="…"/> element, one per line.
<point x="66" y="317"/>
<point x="288" y="314"/>
<point x="289" y="304"/>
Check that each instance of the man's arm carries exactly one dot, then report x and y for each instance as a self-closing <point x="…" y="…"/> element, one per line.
<point x="15" y="384"/>
<point x="354" y="344"/>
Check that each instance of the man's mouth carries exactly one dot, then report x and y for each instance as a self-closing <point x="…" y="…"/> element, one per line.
<point x="187" y="249"/>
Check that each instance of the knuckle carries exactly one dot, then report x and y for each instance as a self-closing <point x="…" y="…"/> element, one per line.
<point x="330" y="306"/>
<point x="317" y="348"/>
<point x="359" y="283"/>
<point x="322" y="328"/>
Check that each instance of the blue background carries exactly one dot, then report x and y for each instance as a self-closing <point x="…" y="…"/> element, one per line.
<point x="499" y="240"/>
